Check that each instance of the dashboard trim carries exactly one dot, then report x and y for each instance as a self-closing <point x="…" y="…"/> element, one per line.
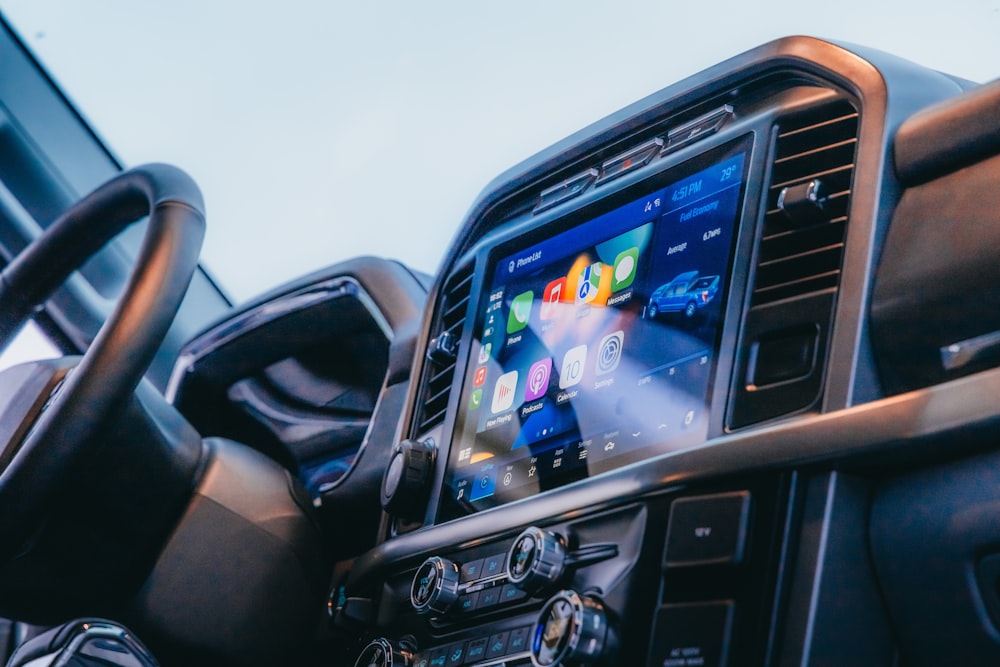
<point x="871" y="434"/>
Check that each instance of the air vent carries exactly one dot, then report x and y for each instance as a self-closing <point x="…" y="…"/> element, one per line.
<point x="439" y="370"/>
<point x="782" y="357"/>
<point x="800" y="256"/>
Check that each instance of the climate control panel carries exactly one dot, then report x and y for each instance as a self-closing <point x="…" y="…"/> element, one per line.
<point x="665" y="581"/>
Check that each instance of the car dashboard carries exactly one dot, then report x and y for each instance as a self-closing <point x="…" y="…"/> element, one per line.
<point x="708" y="383"/>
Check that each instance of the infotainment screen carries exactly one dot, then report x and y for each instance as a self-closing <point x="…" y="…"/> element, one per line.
<point x="595" y="344"/>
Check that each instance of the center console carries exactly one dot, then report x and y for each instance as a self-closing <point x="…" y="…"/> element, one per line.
<point x="632" y="357"/>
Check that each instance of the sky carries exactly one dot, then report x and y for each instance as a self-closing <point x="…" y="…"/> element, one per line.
<point x="320" y="131"/>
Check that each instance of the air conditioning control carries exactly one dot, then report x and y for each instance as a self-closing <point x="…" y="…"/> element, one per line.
<point x="572" y="629"/>
<point x="435" y="586"/>
<point x="383" y="653"/>
<point x="536" y="560"/>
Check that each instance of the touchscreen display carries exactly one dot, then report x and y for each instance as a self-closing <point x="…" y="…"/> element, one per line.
<point x="596" y="347"/>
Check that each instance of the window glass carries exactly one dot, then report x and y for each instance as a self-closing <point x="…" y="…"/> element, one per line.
<point x="29" y="345"/>
<point x="320" y="130"/>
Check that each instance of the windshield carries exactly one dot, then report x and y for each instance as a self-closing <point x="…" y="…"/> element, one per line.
<point x="321" y="131"/>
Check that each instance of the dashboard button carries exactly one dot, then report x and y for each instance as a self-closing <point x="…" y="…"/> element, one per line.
<point x="699" y="128"/>
<point x="472" y="571"/>
<point x="692" y="634"/>
<point x="422" y="660"/>
<point x="489" y="598"/>
<point x="510" y="593"/>
<point x="494" y="565"/>
<point x="629" y="160"/>
<point x="476" y="650"/>
<point x="468" y="602"/>
<point x="498" y="645"/>
<point x="566" y="190"/>
<point x="439" y="658"/>
<point x="707" y="530"/>
<point x="456" y="654"/>
<point x="518" y="641"/>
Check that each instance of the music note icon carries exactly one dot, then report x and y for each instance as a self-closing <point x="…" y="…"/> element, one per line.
<point x="551" y="298"/>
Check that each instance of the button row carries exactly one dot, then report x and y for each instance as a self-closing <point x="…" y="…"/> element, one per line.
<point x="499" y="645"/>
<point x="636" y="157"/>
<point x="484" y="568"/>
<point x="490" y="597"/>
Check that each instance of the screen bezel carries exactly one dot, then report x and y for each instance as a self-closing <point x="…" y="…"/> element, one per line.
<point x="560" y="221"/>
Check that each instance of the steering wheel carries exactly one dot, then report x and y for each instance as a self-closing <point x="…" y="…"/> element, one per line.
<point x="41" y="446"/>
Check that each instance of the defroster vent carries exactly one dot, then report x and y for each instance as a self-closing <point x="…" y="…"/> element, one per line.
<point x="439" y="368"/>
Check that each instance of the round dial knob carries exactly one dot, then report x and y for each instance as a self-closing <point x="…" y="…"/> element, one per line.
<point x="572" y="629"/>
<point x="407" y="479"/>
<point x="383" y="653"/>
<point x="536" y="560"/>
<point x="435" y="586"/>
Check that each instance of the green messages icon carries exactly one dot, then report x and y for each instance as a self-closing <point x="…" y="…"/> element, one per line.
<point x="520" y="310"/>
<point x="623" y="272"/>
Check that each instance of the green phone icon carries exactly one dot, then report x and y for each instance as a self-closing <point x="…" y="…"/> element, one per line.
<point x="623" y="272"/>
<point x="476" y="400"/>
<point x="520" y="310"/>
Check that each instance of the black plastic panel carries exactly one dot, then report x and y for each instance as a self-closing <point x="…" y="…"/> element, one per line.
<point x="949" y="135"/>
<point x="934" y="537"/>
<point x="937" y="290"/>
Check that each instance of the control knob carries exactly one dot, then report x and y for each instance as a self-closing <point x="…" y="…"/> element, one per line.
<point x="407" y="479"/>
<point x="536" y="560"/>
<point x="435" y="586"/>
<point x="572" y="629"/>
<point x="383" y="653"/>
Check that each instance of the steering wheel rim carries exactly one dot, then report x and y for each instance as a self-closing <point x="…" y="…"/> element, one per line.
<point x="125" y="345"/>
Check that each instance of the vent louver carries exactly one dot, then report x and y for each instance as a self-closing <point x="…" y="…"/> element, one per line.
<point x="439" y="371"/>
<point x="796" y="258"/>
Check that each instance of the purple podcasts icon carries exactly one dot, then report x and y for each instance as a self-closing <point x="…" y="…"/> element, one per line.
<point x="538" y="379"/>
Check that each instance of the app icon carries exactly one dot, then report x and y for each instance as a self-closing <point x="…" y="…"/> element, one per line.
<point x="551" y="297"/>
<point x="572" y="367"/>
<point x="520" y="310"/>
<point x="484" y="483"/>
<point x="476" y="400"/>
<point x="538" y="379"/>
<point x="610" y="352"/>
<point x="503" y="392"/>
<point x="484" y="353"/>
<point x="480" y="377"/>
<point x="589" y="283"/>
<point x="623" y="272"/>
